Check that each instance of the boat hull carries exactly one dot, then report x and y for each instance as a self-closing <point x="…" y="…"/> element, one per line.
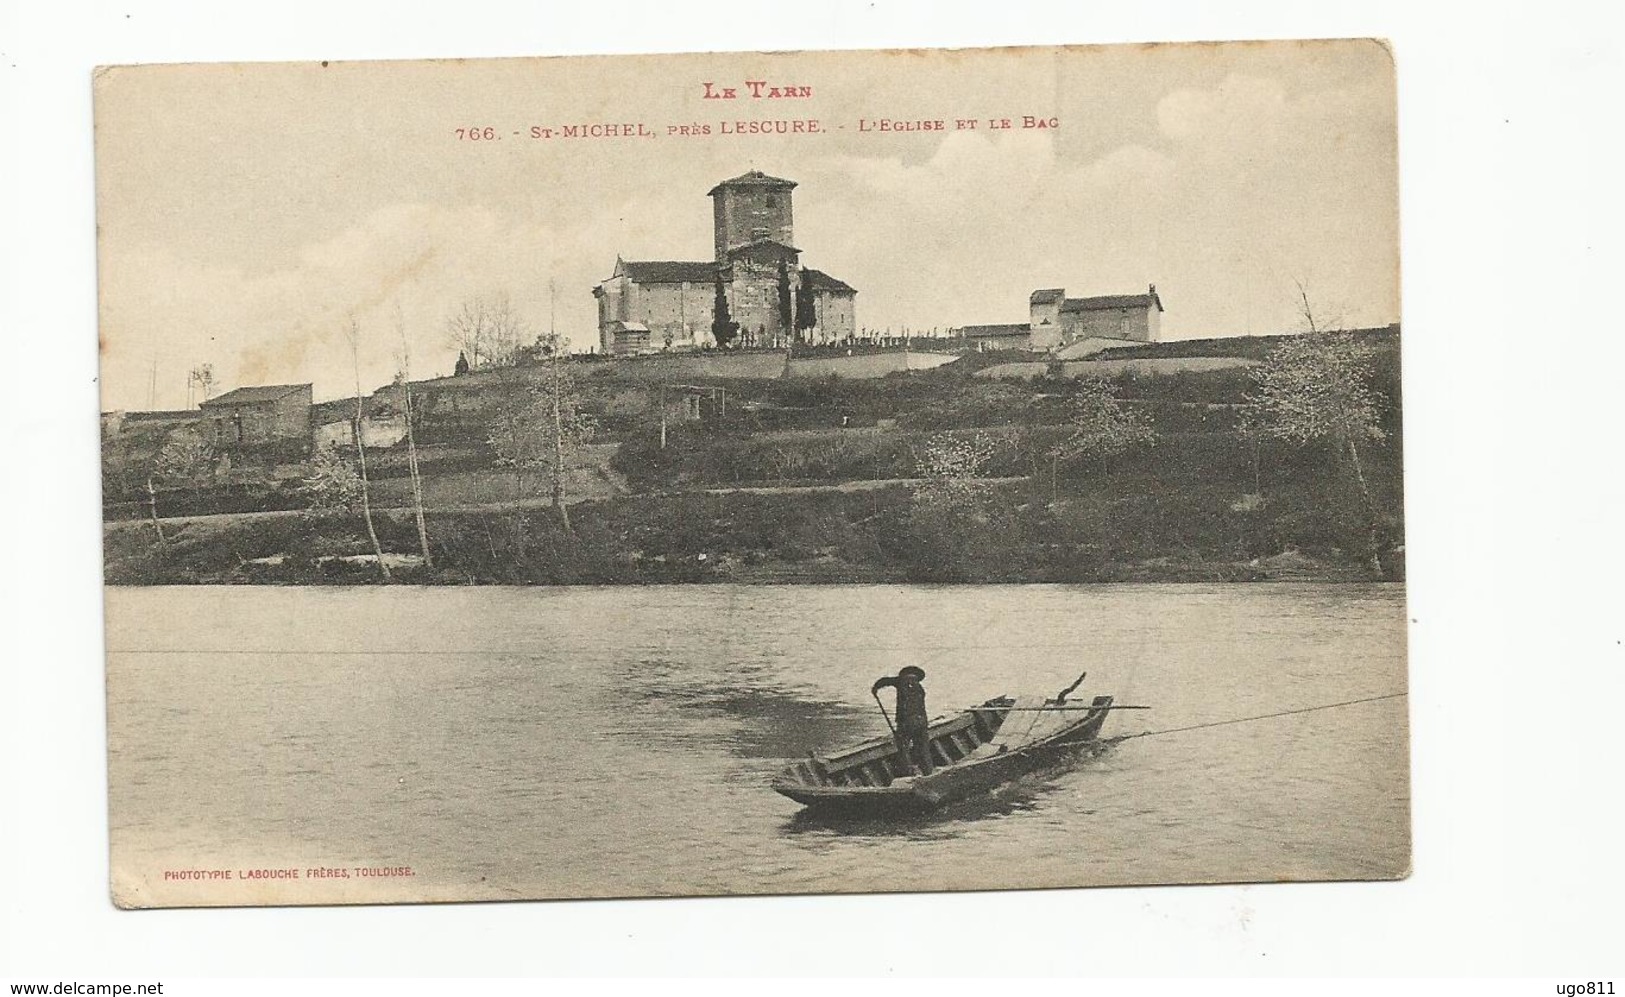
<point x="981" y="771"/>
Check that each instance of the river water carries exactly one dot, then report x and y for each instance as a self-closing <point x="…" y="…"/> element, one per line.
<point x="498" y="743"/>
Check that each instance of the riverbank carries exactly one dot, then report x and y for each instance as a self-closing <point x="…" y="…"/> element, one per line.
<point x="823" y="537"/>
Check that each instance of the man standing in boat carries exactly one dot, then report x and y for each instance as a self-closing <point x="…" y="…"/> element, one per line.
<point x="913" y="736"/>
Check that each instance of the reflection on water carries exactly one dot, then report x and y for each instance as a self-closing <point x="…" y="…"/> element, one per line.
<point x="615" y="742"/>
<point x="771" y="720"/>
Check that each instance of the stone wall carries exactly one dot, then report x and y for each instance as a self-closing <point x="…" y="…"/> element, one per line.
<point x="376" y="431"/>
<point x="837" y="317"/>
<point x="678" y="315"/>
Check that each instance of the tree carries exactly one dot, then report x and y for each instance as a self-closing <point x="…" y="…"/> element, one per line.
<point x="202" y="377"/>
<point x="1100" y="428"/>
<point x="952" y="466"/>
<point x="487" y="331"/>
<point x="333" y="482"/>
<point x="185" y="455"/>
<point x="953" y="531"/>
<point x="1315" y="387"/>
<point x="540" y="429"/>
<point x="786" y="316"/>
<point x="723" y="328"/>
<point x="403" y="377"/>
<point x="353" y="335"/>
<point x="806" y="304"/>
<point x="462" y="364"/>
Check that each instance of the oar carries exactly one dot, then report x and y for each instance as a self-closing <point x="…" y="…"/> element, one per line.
<point x="1044" y="709"/>
<point x="876" y="693"/>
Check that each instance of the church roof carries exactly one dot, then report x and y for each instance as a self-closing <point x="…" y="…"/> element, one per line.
<point x="1109" y="301"/>
<point x="755" y="178"/>
<point x="758" y="243"/>
<point x="1044" y="296"/>
<point x="705" y="272"/>
<point x="822" y="281"/>
<point x="670" y="271"/>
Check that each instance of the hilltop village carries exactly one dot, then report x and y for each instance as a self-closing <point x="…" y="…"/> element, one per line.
<point x="736" y="421"/>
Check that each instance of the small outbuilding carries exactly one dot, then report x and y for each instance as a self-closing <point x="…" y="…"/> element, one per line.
<point x="1008" y="336"/>
<point x="626" y="339"/>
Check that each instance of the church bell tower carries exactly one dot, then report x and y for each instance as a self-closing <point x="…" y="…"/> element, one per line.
<point x="751" y="208"/>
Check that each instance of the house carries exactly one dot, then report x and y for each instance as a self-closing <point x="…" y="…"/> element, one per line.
<point x="266" y="413"/>
<point x="1057" y="320"/>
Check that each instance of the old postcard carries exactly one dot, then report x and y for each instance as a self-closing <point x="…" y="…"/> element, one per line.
<point x="752" y="473"/>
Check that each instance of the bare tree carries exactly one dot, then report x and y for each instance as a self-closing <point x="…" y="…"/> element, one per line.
<point x="152" y="507"/>
<point x="201" y="377"/>
<point x="185" y="455"/>
<point x="1317" y="318"/>
<point x="540" y="429"/>
<point x="571" y="428"/>
<point x="353" y="334"/>
<point x="404" y="378"/>
<point x="488" y="331"/>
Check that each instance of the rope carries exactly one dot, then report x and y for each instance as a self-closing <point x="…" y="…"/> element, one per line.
<point x="1265" y="716"/>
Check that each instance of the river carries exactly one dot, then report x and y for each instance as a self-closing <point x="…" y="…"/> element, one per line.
<point x="501" y="743"/>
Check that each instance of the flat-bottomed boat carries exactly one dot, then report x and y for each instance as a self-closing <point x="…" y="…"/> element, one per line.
<point x="972" y="752"/>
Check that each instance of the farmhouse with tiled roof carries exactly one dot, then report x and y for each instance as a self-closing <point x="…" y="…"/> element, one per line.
<point x="1057" y="320"/>
<point x="262" y="413"/>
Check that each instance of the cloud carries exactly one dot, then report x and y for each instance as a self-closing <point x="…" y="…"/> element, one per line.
<point x="1240" y="188"/>
<point x="289" y="323"/>
<point x="1240" y="107"/>
<point x="1248" y="190"/>
<point x="963" y="236"/>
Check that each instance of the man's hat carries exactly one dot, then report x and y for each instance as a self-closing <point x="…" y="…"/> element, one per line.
<point x="914" y="670"/>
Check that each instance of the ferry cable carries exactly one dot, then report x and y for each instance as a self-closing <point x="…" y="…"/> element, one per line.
<point x="1265" y="716"/>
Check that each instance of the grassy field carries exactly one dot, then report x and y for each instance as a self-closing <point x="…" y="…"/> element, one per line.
<point x="818" y="480"/>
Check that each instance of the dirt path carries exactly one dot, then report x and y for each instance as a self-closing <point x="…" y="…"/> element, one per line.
<point x="866" y="485"/>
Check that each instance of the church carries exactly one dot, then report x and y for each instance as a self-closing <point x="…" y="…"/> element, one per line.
<point x="647" y="306"/>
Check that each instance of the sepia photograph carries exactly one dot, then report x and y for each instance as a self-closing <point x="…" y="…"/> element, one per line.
<point x="752" y="473"/>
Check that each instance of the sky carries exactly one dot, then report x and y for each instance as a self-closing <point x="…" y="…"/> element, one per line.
<point x="248" y="213"/>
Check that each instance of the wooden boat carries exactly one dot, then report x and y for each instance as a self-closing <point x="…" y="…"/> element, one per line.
<point x="974" y="752"/>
